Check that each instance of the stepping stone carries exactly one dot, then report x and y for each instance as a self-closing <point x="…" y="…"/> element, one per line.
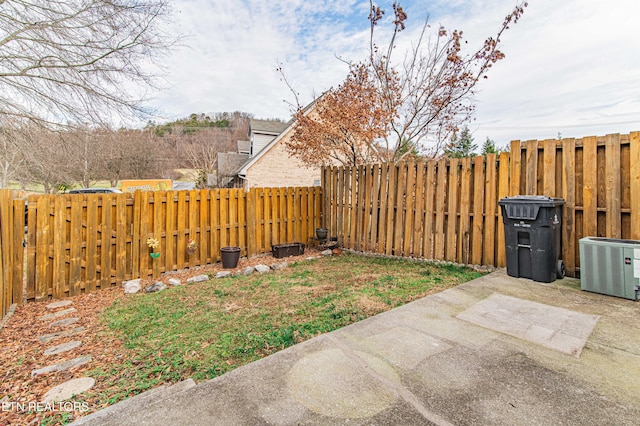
<point x="198" y="278"/>
<point x="57" y="314"/>
<point x="68" y="389"/>
<point x="62" y="366"/>
<point x="49" y="337"/>
<point x="155" y="287"/>
<point x="63" y="347"/>
<point x="132" y="286"/>
<point x="278" y="266"/>
<point x="59" y="304"/>
<point x="64" y="322"/>
<point x="262" y="269"/>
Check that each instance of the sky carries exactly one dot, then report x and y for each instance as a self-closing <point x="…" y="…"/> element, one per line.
<point x="572" y="67"/>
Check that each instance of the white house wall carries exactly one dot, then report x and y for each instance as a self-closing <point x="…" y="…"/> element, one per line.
<point x="259" y="141"/>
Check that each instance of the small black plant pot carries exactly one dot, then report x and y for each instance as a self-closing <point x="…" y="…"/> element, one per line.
<point x="230" y="257"/>
<point x="321" y="233"/>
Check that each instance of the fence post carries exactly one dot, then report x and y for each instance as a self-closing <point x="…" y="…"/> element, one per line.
<point x="5" y="270"/>
<point x="251" y="201"/>
<point x="634" y="142"/>
<point x="18" y="251"/>
<point x="514" y="179"/>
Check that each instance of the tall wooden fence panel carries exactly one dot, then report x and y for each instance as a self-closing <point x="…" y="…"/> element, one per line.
<point x="448" y="209"/>
<point x="83" y="242"/>
<point x="11" y="231"/>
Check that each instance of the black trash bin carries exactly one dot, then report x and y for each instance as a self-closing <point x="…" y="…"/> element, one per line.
<point x="533" y="236"/>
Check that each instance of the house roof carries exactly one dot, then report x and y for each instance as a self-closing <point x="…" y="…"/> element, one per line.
<point x="244" y="147"/>
<point x="270" y="127"/>
<point x="229" y="162"/>
<point x="242" y="171"/>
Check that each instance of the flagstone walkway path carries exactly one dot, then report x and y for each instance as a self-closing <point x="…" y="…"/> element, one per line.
<point x="63" y="324"/>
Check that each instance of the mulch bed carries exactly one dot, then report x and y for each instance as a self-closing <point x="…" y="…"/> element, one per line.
<point x="21" y="351"/>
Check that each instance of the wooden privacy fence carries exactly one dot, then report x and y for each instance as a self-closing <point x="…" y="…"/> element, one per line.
<point x="448" y="209"/>
<point x="80" y="243"/>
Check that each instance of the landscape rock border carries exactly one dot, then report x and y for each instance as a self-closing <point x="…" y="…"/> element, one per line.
<point x="195" y="275"/>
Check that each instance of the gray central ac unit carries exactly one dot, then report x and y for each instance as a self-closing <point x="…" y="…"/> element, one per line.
<point x="610" y="266"/>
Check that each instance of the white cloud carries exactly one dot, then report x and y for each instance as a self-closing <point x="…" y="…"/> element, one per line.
<point x="571" y="66"/>
<point x="233" y="49"/>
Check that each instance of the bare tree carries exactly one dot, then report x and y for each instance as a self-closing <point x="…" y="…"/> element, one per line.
<point x="127" y="154"/>
<point x="397" y="108"/>
<point x="430" y="93"/>
<point x="46" y="158"/>
<point x="78" y="61"/>
<point x="12" y="138"/>
<point x="342" y="125"/>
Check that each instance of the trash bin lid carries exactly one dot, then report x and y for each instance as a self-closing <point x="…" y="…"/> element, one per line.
<point x="542" y="200"/>
<point x="527" y="206"/>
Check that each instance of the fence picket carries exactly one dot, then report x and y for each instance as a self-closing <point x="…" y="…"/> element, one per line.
<point x="401" y="188"/>
<point x="589" y="187"/>
<point x="121" y="237"/>
<point x="441" y="183"/>
<point x="169" y="253"/>
<point x="5" y="255"/>
<point x="531" y="171"/>
<point x="418" y="219"/>
<point x="478" y="210"/>
<point x="382" y="209"/>
<point x="452" y="211"/>
<point x="59" y="243"/>
<point x="515" y="159"/>
<point x="549" y="155"/>
<point x="429" y="203"/>
<point x="613" y="186"/>
<point x="17" y="273"/>
<point x="76" y="281"/>
<point x="569" y="196"/>
<point x="409" y="211"/>
<point x="503" y="191"/>
<point x="490" y="204"/>
<point x="391" y="202"/>
<point x="464" y="230"/>
<point x="634" y="142"/>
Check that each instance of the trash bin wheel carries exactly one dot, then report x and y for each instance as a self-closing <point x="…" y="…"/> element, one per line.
<point x="560" y="269"/>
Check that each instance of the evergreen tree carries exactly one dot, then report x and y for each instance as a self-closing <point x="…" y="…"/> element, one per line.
<point x="461" y="145"/>
<point x="489" y="147"/>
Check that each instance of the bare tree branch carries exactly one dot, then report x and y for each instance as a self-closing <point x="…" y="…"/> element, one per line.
<point x="79" y="61"/>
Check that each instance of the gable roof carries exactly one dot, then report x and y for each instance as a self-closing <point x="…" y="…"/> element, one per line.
<point x="242" y="171"/>
<point x="269" y="127"/>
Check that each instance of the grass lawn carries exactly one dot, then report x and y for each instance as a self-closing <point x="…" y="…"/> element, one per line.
<point x="207" y="329"/>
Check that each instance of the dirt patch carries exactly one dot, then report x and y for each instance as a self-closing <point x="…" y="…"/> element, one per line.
<point x="372" y="306"/>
